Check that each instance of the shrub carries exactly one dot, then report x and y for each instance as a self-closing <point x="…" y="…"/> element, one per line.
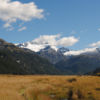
<point x="72" y="80"/>
<point x="70" y="94"/>
<point x="80" y="94"/>
<point x="97" y="89"/>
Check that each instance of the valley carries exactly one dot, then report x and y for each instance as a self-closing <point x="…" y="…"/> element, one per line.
<point x="49" y="50"/>
<point x="44" y="87"/>
<point x="47" y="61"/>
<point x="68" y="62"/>
<point x="47" y="74"/>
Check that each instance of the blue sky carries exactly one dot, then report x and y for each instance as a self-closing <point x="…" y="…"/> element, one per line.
<point x="78" y="18"/>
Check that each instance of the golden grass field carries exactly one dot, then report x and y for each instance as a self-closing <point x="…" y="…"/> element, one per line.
<point x="49" y="87"/>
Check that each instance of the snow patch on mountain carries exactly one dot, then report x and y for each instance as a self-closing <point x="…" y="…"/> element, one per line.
<point x="84" y="51"/>
<point x="35" y="47"/>
<point x="54" y="41"/>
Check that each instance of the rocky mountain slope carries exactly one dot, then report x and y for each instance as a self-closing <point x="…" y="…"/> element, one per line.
<point x="52" y="55"/>
<point x="14" y="60"/>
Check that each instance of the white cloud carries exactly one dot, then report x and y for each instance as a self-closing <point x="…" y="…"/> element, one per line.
<point x="93" y="48"/>
<point x="11" y="11"/>
<point x="22" y="29"/>
<point x="78" y="52"/>
<point x="67" y="41"/>
<point x="34" y="47"/>
<point x="98" y="29"/>
<point x="47" y="39"/>
<point x="86" y="50"/>
<point x="97" y="44"/>
<point x="56" y="40"/>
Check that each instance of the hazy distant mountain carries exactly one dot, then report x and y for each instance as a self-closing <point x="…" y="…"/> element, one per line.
<point x="94" y="72"/>
<point x="65" y="51"/>
<point x="47" y="51"/>
<point x="14" y="60"/>
<point x="80" y="64"/>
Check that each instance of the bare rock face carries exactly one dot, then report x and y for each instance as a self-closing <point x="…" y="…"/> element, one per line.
<point x="52" y="55"/>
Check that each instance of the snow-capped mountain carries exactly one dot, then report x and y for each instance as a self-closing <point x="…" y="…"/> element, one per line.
<point x="86" y="51"/>
<point x="31" y="46"/>
<point x="67" y="61"/>
<point x="52" y="53"/>
<point x="63" y="50"/>
<point x="37" y="47"/>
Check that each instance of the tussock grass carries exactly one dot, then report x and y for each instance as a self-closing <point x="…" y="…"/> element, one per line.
<point x="49" y="87"/>
<point x="72" y="80"/>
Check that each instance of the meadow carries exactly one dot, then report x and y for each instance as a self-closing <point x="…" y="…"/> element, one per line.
<point x="13" y="87"/>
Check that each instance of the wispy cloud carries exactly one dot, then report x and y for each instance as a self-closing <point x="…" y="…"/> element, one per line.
<point x="22" y="29"/>
<point x="11" y="11"/>
<point x="98" y="29"/>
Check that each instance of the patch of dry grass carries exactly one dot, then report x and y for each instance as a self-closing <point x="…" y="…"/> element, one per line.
<point x="49" y="87"/>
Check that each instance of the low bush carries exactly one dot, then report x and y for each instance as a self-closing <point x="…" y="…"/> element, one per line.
<point x="72" y="80"/>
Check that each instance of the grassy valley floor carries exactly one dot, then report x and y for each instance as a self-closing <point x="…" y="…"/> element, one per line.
<point x="49" y="87"/>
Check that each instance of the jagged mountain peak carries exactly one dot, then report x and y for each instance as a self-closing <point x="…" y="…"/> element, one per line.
<point x="63" y="50"/>
<point x="51" y="54"/>
<point x="40" y="47"/>
<point x="98" y="49"/>
<point x="46" y="48"/>
<point x="49" y="48"/>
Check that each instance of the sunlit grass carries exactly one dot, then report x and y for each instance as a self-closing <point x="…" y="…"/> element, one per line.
<point x="49" y="87"/>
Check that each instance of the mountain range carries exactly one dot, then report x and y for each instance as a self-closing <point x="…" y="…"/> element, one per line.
<point x="37" y="47"/>
<point x="17" y="59"/>
<point x="65" y="60"/>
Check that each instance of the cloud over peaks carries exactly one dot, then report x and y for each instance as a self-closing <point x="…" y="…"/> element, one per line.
<point x="67" y="41"/>
<point x="78" y="52"/>
<point x="98" y="29"/>
<point x="11" y="11"/>
<point x="56" y="40"/>
<point x="96" y="44"/>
